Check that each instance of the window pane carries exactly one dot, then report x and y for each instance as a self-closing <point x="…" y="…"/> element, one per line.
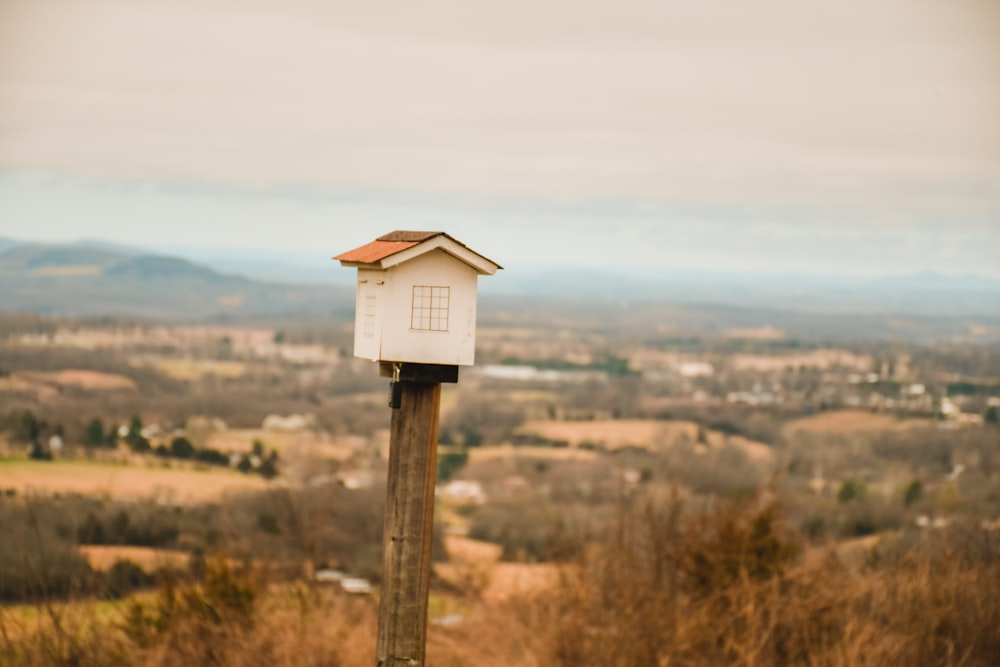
<point x="429" y="310"/>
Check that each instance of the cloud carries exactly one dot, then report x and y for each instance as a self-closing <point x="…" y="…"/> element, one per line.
<point x="889" y="106"/>
<point x="776" y="135"/>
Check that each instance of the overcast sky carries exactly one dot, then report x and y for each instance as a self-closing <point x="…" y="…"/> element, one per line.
<point x="860" y="136"/>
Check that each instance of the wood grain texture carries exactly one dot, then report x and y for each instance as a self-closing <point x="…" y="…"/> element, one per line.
<point x="409" y="522"/>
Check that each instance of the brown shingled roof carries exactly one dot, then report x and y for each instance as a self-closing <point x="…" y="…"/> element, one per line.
<point x="400" y="240"/>
<point x="387" y="245"/>
<point x="375" y="251"/>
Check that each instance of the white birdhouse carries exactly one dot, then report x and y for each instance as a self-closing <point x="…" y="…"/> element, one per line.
<point x="416" y="298"/>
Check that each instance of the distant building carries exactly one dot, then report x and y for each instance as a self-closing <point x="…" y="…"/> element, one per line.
<point x="949" y="409"/>
<point x="356" y="586"/>
<point x="357" y="479"/>
<point x="464" y="490"/>
<point x="291" y="423"/>
<point x="693" y="369"/>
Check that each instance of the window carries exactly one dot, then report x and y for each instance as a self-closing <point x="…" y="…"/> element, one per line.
<point x="430" y="308"/>
<point x="369" y="328"/>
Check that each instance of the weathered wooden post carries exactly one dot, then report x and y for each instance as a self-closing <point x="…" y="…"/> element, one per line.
<point x="416" y="316"/>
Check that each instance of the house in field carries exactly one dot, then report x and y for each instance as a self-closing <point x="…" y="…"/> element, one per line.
<point x="416" y="298"/>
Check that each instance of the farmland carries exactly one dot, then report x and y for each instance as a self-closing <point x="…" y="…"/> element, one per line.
<point x="103" y="557"/>
<point x="593" y="477"/>
<point x="130" y="479"/>
<point x="853" y="422"/>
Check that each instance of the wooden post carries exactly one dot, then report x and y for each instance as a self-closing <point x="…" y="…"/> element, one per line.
<point x="409" y="514"/>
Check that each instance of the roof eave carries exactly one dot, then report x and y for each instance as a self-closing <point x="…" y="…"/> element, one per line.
<point x="370" y="256"/>
<point x="360" y="265"/>
<point x="482" y="265"/>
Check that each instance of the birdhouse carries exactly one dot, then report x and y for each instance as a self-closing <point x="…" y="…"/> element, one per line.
<point x="416" y="298"/>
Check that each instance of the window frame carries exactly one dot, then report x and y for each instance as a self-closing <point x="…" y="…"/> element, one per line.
<point x="430" y="308"/>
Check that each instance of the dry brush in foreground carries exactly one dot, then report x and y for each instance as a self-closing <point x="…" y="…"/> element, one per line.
<point x="727" y="586"/>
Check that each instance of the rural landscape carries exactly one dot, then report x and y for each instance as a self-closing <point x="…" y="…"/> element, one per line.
<point x="719" y="281"/>
<point x="645" y="483"/>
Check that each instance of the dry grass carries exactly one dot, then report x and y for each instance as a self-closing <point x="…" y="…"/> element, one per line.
<point x="711" y="591"/>
<point x="288" y="627"/>
<point x="47" y="385"/>
<point x="502" y="452"/>
<point x="511" y="581"/>
<point x="755" y="451"/>
<point x="15" y="382"/>
<point x="195" y="369"/>
<point x="613" y="433"/>
<point x="648" y="433"/>
<point x="123" y="337"/>
<point x="474" y="565"/>
<point x="294" y="444"/>
<point x="90" y="379"/>
<point x="851" y="422"/>
<point x="175" y="484"/>
<point x="725" y="588"/>
<point x="821" y="359"/>
<point x="463" y="549"/>
<point x="824" y="616"/>
<point x="756" y="333"/>
<point x="102" y="557"/>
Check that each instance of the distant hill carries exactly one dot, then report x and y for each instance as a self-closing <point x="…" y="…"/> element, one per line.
<point x="6" y="244"/>
<point x="95" y="279"/>
<point x="923" y="294"/>
<point x="39" y="259"/>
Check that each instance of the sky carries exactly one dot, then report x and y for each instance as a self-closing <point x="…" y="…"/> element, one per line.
<point x="858" y="137"/>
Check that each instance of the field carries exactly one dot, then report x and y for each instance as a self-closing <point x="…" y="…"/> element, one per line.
<point x="756" y="333"/>
<point x="86" y="379"/>
<point x="102" y="557"/>
<point x="788" y="527"/>
<point x="822" y="359"/>
<point x="501" y="452"/>
<point x="194" y="369"/>
<point x="289" y="444"/>
<point x="48" y="385"/>
<point x="613" y="434"/>
<point x="176" y="484"/>
<point x="476" y="564"/>
<point x="852" y="422"/>
<point x="650" y="434"/>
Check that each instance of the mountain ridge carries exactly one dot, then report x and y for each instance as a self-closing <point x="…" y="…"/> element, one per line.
<point x="95" y="278"/>
<point x="83" y="279"/>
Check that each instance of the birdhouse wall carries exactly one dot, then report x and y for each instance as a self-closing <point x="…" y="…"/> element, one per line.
<point x="420" y="311"/>
<point x="370" y="304"/>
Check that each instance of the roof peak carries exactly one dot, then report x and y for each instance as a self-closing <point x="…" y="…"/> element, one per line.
<point x="409" y="236"/>
<point x="402" y="245"/>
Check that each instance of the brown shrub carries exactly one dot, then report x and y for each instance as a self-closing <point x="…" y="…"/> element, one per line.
<point x="720" y="587"/>
<point x="723" y="588"/>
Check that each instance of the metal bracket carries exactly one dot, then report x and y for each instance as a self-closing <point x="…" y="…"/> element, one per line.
<point x="395" y="389"/>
